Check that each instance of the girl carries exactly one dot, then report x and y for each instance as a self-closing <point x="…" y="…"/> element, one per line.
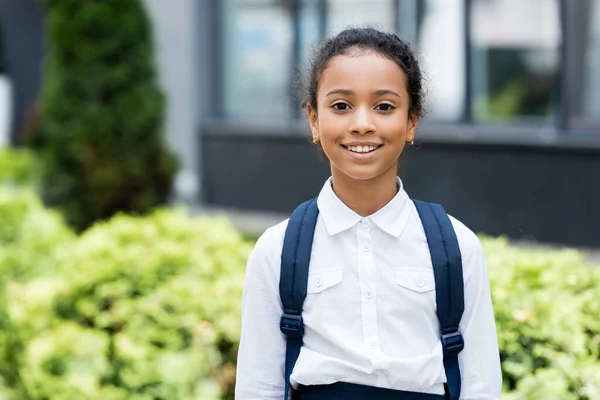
<point x="371" y="314"/>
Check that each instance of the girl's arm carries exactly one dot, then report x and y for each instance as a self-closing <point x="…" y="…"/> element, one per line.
<point x="261" y="358"/>
<point x="480" y="360"/>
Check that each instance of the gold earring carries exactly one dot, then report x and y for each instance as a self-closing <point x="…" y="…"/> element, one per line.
<point x="315" y="141"/>
<point x="412" y="142"/>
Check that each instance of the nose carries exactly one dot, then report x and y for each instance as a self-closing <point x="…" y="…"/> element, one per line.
<point x="362" y="122"/>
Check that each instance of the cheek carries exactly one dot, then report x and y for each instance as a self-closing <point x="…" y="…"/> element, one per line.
<point x="331" y="128"/>
<point x="393" y="129"/>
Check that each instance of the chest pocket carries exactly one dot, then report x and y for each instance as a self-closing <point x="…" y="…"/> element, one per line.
<point x="321" y="280"/>
<point x="323" y="300"/>
<point x="418" y="285"/>
<point x="417" y="280"/>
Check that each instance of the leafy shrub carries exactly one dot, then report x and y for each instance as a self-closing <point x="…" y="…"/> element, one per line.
<point x="31" y="238"/>
<point x="547" y="305"/>
<point x="16" y="167"/>
<point x="148" y="308"/>
<point x="100" y="137"/>
<point x="142" y="308"/>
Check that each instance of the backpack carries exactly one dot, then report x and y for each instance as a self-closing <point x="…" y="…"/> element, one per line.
<point x="447" y="268"/>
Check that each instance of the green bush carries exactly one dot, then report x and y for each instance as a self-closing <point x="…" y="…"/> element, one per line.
<point x="148" y="308"/>
<point x="100" y="138"/>
<point x="142" y="308"/>
<point x="547" y="305"/>
<point x="16" y="167"/>
<point x="30" y="236"/>
<point x="31" y="239"/>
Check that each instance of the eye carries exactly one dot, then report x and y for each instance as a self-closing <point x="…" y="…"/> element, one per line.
<point x="340" y="106"/>
<point x="385" y="107"/>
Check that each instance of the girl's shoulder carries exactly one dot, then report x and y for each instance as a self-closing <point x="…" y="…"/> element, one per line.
<point x="467" y="239"/>
<point x="472" y="254"/>
<point x="265" y="260"/>
<point x="270" y="242"/>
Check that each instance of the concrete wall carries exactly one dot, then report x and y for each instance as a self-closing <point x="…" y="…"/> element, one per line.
<point x="537" y="193"/>
<point x="177" y="33"/>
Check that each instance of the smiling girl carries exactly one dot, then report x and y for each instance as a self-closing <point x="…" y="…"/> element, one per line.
<point x="363" y="292"/>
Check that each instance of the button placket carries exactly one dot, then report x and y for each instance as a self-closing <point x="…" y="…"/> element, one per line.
<point x="366" y="276"/>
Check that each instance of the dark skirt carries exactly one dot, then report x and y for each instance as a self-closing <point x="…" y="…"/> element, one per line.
<point x="350" y="391"/>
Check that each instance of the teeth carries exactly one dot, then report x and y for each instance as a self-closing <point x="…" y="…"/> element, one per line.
<point x="362" y="149"/>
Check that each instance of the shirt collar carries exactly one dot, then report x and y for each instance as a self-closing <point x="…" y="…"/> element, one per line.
<point x="338" y="217"/>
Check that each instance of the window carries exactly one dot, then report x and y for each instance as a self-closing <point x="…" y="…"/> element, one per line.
<point x="256" y="70"/>
<point x="514" y="60"/>
<point x="259" y="52"/>
<point x="485" y="61"/>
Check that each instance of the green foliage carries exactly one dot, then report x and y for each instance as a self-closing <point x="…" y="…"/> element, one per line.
<point x="100" y="139"/>
<point x="141" y="308"/>
<point x="547" y="305"/>
<point x="148" y="308"/>
<point x="30" y="236"/>
<point x="31" y="239"/>
<point x="16" y="167"/>
<point x="505" y="105"/>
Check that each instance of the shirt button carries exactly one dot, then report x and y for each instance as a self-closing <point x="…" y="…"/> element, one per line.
<point x="369" y="295"/>
<point x="372" y="345"/>
<point x="319" y="282"/>
<point x="365" y="223"/>
<point x="366" y="248"/>
<point x="420" y="282"/>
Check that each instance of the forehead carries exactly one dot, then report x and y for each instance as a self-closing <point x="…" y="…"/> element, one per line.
<point x="365" y="71"/>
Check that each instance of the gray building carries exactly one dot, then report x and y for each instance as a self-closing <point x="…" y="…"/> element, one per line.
<point x="510" y="145"/>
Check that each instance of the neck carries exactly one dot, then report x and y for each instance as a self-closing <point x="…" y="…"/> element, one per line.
<point x="365" y="197"/>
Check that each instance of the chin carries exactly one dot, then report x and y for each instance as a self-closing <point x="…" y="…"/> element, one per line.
<point x="361" y="173"/>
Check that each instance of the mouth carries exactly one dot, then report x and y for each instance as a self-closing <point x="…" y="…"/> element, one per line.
<point x="366" y="149"/>
<point x="362" y="153"/>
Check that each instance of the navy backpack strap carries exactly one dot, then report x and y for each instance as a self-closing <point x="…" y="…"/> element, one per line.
<point x="450" y="298"/>
<point x="295" y="260"/>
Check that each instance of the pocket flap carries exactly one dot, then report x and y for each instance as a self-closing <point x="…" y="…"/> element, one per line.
<point x="323" y="279"/>
<point x="415" y="279"/>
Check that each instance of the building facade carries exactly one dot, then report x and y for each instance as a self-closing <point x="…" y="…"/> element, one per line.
<point x="510" y="143"/>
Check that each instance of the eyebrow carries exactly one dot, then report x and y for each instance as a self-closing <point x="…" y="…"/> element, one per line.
<point x="347" y="92"/>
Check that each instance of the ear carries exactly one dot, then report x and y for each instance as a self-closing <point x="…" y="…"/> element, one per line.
<point x="313" y="121"/>
<point x="413" y="122"/>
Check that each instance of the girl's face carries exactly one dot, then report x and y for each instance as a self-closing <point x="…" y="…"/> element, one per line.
<point x="362" y="118"/>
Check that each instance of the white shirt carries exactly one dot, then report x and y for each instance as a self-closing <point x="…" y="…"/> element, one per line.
<point x="370" y="310"/>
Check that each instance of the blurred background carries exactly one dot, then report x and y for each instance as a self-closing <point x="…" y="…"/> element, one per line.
<point x="510" y="144"/>
<point x="115" y="113"/>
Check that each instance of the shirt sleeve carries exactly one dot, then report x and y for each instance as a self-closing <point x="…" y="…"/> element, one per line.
<point x="261" y="356"/>
<point x="480" y="359"/>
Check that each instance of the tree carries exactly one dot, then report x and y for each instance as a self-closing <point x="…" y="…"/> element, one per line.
<point x="100" y="140"/>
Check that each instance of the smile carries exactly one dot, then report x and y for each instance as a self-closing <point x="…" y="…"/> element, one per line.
<point x="362" y="149"/>
<point x="364" y="153"/>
